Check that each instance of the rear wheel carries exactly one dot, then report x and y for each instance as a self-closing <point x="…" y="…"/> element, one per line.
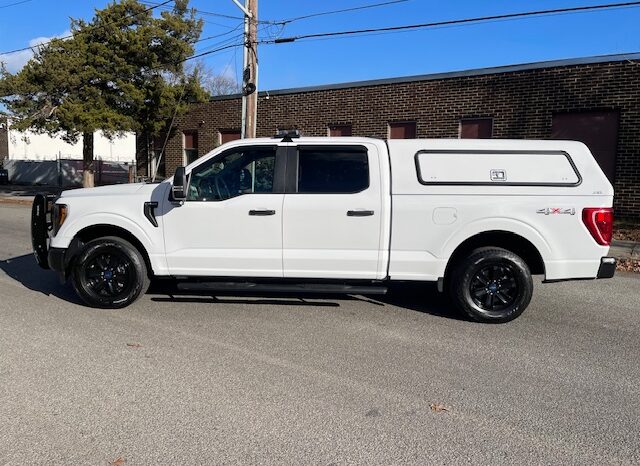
<point x="109" y="273"/>
<point x="491" y="285"/>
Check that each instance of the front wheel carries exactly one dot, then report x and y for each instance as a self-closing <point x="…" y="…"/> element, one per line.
<point x="109" y="273"/>
<point x="491" y="285"/>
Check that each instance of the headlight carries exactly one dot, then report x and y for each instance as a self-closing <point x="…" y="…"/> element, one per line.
<point x="60" y="213"/>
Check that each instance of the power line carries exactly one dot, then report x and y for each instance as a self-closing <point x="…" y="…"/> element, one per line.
<point x="204" y="54"/>
<point x="345" y="10"/>
<point x="213" y="23"/>
<point x="83" y="31"/>
<point x="213" y="13"/>
<point x="455" y="22"/>
<point x="168" y="133"/>
<point x="237" y="37"/>
<point x="14" y="4"/>
<point x="281" y="23"/>
<point x="208" y="13"/>
<point x="219" y="35"/>
<point x="195" y="10"/>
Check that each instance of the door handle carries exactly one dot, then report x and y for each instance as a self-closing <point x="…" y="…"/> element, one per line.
<point x="262" y="212"/>
<point x="359" y="213"/>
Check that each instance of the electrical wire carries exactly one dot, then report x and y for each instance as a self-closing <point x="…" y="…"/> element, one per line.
<point x="455" y="22"/>
<point x="212" y="13"/>
<point x="33" y="47"/>
<point x="204" y="54"/>
<point x="219" y="35"/>
<point x="344" y="10"/>
<point x="14" y="4"/>
<point x="208" y="13"/>
<point x="166" y="139"/>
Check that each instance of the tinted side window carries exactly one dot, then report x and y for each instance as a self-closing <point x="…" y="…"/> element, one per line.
<point x="235" y="173"/>
<point x="330" y="170"/>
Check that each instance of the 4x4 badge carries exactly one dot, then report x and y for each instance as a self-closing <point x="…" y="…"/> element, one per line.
<point x="557" y="211"/>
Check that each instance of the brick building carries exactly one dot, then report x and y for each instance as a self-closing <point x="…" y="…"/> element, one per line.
<point x="595" y="100"/>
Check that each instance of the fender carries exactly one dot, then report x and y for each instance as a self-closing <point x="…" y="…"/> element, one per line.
<point x="510" y="225"/>
<point x="69" y="231"/>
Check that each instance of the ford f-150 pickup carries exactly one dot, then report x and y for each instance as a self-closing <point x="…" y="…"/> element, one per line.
<point x="346" y="215"/>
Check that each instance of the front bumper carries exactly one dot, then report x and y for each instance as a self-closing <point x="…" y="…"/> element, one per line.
<point x="607" y="267"/>
<point x="40" y="227"/>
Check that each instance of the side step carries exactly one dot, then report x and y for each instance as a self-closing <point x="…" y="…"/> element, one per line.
<point x="319" y="288"/>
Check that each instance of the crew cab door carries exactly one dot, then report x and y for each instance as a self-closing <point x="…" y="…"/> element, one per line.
<point x="333" y="212"/>
<point x="231" y="222"/>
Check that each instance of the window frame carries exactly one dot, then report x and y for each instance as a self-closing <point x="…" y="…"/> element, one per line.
<point x="402" y="122"/>
<point x="278" y="175"/>
<point x="339" y="125"/>
<point x="185" y="158"/>
<point x="223" y="131"/>
<point x="470" y="119"/>
<point x="293" y="158"/>
<point x="493" y="183"/>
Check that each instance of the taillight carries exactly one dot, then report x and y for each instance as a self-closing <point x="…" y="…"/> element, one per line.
<point x="599" y="222"/>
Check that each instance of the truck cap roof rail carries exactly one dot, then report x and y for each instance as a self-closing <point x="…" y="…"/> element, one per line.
<point x="287" y="134"/>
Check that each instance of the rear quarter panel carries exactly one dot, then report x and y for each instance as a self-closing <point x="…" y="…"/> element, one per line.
<point x="431" y="221"/>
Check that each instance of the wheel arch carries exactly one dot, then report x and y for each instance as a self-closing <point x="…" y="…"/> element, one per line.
<point x="92" y="232"/>
<point x="502" y="239"/>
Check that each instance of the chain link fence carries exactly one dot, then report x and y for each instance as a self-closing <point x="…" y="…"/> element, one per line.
<point x="67" y="172"/>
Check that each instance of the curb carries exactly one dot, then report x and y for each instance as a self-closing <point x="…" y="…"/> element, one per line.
<point x="625" y="250"/>
<point x="15" y="201"/>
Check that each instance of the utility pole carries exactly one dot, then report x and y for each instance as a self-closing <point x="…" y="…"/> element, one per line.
<point x="249" y="68"/>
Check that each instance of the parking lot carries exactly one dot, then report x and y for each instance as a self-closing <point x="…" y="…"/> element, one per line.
<point x="314" y="380"/>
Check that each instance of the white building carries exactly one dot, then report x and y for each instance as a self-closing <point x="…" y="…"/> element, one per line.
<point x="31" y="158"/>
<point x="31" y="146"/>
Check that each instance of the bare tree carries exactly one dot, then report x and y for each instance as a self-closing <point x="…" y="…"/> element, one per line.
<point x="222" y="85"/>
<point x="216" y="83"/>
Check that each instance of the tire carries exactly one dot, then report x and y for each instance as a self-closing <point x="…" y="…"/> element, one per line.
<point x="491" y="285"/>
<point x="109" y="273"/>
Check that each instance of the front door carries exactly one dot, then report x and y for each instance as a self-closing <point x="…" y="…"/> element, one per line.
<point x="231" y="223"/>
<point x="332" y="213"/>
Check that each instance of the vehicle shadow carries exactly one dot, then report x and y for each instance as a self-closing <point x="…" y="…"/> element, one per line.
<point x="24" y="270"/>
<point x="247" y="299"/>
<point x="166" y="291"/>
<point x="419" y="297"/>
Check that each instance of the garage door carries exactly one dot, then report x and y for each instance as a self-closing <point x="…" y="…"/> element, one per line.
<point x="597" y="129"/>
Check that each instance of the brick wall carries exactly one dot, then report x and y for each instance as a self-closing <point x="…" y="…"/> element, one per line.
<point x="521" y="104"/>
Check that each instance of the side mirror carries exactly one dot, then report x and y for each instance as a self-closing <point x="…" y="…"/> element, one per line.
<point x="179" y="187"/>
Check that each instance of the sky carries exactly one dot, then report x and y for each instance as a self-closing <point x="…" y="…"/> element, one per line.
<point x="327" y="61"/>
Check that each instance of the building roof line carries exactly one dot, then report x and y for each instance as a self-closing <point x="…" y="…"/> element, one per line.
<point x="449" y="74"/>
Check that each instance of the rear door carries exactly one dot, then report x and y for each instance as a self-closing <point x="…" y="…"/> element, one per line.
<point x="332" y="212"/>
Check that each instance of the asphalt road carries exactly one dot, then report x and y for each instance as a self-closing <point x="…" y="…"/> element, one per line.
<point x="197" y="380"/>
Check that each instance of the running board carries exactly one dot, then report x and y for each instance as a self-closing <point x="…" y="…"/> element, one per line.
<point x="319" y="288"/>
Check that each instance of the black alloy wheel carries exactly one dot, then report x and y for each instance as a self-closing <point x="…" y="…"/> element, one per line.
<point x="491" y="285"/>
<point x="494" y="287"/>
<point x="109" y="272"/>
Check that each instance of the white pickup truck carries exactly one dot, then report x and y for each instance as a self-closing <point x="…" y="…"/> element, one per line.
<point x="346" y="215"/>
